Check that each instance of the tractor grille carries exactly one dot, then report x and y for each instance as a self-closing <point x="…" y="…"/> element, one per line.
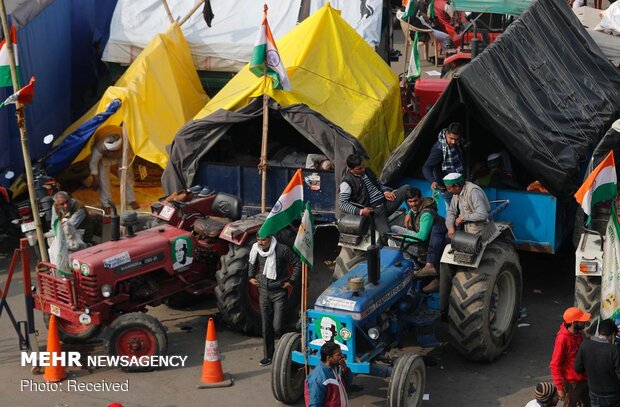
<point x="88" y="291"/>
<point x="55" y="289"/>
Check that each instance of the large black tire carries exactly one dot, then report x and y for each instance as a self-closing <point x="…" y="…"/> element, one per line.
<point x="346" y="260"/>
<point x="484" y="304"/>
<point x="408" y="381"/>
<point x="73" y="334"/>
<point x="236" y="302"/>
<point x="588" y="299"/>
<point x="136" y="334"/>
<point x="287" y="377"/>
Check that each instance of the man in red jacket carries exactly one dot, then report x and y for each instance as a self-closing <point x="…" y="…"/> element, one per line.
<point x="572" y="386"/>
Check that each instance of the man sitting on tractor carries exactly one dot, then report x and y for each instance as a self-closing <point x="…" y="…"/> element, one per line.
<point x="469" y="207"/>
<point x="327" y="385"/>
<point x="361" y="193"/>
<point x="423" y="223"/>
<point x="74" y="212"/>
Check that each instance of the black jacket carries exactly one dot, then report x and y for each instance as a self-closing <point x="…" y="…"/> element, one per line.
<point x="285" y="258"/>
<point x="601" y="361"/>
<point x="359" y="194"/>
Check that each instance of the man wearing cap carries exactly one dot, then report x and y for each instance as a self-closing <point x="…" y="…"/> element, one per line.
<point x="361" y="193"/>
<point x="545" y="395"/>
<point x="600" y="359"/>
<point x="572" y="386"/>
<point x="268" y="269"/>
<point x="445" y="157"/>
<point x="107" y="151"/>
<point x="469" y="204"/>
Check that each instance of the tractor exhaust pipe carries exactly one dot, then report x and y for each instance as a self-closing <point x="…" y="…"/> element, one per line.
<point x="374" y="255"/>
<point x="116" y="222"/>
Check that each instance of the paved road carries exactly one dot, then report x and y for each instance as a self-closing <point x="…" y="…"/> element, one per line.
<point x="451" y="380"/>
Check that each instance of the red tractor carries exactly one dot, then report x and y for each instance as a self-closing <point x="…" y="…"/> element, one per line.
<point x="200" y="246"/>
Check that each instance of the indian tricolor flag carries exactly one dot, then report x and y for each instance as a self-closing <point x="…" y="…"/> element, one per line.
<point x="266" y="58"/>
<point x="601" y="185"/>
<point x="288" y="208"/>
<point x="5" y="70"/>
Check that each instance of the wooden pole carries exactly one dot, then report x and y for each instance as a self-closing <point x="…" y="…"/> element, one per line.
<point x="168" y="13"/>
<point x="304" y="306"/>
<point x="123" y="170"/>
<point x="21" y="124"/>
<point x="262" y="165"/>
<point x="190" y="12"/>
<point x="406" y="54"/>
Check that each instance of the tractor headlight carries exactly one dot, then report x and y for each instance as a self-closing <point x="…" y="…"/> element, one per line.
<point x="373" y="333"/>
<point x="106" y="290"/>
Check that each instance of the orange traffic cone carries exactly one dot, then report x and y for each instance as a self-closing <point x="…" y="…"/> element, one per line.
<point x="212" y="374"/>
<point x="53" y="373"/>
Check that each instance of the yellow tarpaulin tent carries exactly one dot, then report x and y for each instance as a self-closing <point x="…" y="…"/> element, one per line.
<point x="336" y="73"/>
<point x="160" y="92"/>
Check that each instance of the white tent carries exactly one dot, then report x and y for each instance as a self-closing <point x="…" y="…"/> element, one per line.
<point x="226" y="45"/>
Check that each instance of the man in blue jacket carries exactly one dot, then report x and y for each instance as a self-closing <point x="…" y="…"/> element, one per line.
<point x="327" y="385"/>
<point x="445" y="157"/>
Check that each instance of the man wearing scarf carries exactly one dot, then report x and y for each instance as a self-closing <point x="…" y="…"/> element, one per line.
<point x="268" y="270"/>
<point x="445" y="157"/>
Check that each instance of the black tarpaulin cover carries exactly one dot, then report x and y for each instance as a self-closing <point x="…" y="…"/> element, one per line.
<point x="198" y="137"/>
<point x="544" y="91"/>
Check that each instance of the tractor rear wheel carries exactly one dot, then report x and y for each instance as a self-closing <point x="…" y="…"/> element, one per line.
<point x="588" y="299"/>
<point x="484" y="304"/>
<point x="408" y="380"/>
<point x="287" y="377"/>
<point x="70" y="333"/>
<point x="137" y="334"/>
<point x="346" y="260"/>
<point x="237" y="300"/>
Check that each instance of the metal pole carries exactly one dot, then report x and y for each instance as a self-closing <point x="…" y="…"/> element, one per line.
<point x="21" y="124"/>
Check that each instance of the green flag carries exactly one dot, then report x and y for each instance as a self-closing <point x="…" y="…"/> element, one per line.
<point x="304" y="242"/>
<point x="414" y="71"/>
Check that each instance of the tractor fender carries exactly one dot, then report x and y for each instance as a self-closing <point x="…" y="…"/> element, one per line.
<point x="502" y="230"/>
<point x="237" y="232"/>
<point x="457" y="58"/>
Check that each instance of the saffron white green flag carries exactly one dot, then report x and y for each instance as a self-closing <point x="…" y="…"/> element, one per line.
<point x="5" y="70"/>
<point x="266" y="58"/>
<point x="288" y="208"/>
<point x="601" y="185"/>
<point x="414" y="71"/>
<point x="304" y="242"/>
<point x="58" y="251"/>
<point x="409" y="5"/>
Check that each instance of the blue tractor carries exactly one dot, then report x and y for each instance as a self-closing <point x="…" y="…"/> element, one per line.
<point x="366" y="312"/>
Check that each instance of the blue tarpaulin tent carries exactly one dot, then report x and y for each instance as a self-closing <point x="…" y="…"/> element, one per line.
<point x="58" y="43"/>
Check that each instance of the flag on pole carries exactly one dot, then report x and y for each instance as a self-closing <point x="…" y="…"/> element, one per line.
<point x="23" y="96"/>
<point x="288" y="208"/>
<point x="601" y="185"/>
<point x="266" y="58"/>
<point x="409" y="5"/>
<point x="414" y="71"/>
<point x="304" y="242"/>
<point x="5" y="69"/>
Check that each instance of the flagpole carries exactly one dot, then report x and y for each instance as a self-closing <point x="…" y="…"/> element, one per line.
<point x="262" y="166"/>
<point x="21" y="124"/>
<point x="304" y="305"/>
<point x="123" y="170"/>
<point x="406" y="53"/>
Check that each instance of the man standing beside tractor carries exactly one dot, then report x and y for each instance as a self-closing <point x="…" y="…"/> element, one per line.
<point x="327" y="385"/>
<point x="268" y="270"/>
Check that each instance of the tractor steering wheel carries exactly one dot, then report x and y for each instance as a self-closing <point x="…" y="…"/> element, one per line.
<point x="405" y="241"/>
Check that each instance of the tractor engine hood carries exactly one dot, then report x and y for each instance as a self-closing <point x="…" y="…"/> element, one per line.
<point x="150" y="246"/>
<point x="396" y="276"/>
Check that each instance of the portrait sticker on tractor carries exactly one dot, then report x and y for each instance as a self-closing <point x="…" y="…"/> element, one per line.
<point x="328" y="330"/>
<point x="181" y="252"/>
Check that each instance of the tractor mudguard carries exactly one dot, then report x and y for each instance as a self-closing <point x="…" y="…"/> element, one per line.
<point x="238" y="231"/>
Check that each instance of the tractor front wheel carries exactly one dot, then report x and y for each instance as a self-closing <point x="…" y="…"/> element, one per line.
<point x="287" y="377"/>
<point x="137" y="334"/>
<point x="408" y="380"/>
<point x="71" y="333"/>
<point x="484" y="304"/>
